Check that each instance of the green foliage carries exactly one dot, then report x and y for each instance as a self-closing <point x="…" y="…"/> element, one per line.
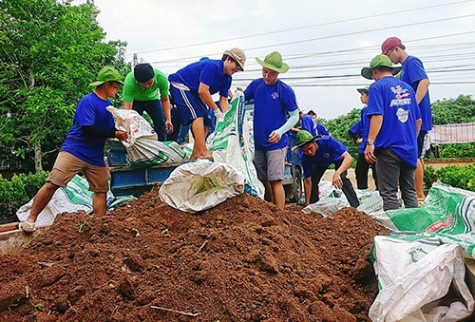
<point x="459" y="110"/>
<point x="457" y="151"/>
<point x="18" y="191"/>
<point x="339" y="129"/>
<point x="430" y="176"/>
<point x="49" y="53"/>
<point x="457" y="176"/>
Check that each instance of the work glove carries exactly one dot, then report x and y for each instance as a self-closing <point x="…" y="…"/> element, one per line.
<point x="218" y="114"/>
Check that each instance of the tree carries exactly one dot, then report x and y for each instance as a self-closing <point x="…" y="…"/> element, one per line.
<point x="50" y="51"/>
<point x="449" y="111"/>
<point x="339" y="129"/>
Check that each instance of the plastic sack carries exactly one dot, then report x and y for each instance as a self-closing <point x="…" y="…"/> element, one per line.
<point x="326" y="206"/>
<point x="143" y="149"/>
<point x="232" y="144"/>
<point x="413" y="287"/>
<point x="200" y="185"/>
<point x="448" y="214"/>
<point x="73" y="198"/>
<point x="370" y="201"/>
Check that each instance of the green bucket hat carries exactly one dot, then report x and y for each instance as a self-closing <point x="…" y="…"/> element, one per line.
<point x="303" y="137"/>
<point x="107" y="74"/>
<point x="274" y="62"/>
<point x="377" y="61"/>
<point x="363" y="90"/>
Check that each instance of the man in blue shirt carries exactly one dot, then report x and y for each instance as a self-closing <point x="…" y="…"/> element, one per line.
<point x="395" y="121"/>
<point x="414" y="74"/>
<point x="317" y="128"/>
<point x="191" y="89"/>
<point x="83" y="148"/>
<point x="273" y="100"/>
<point x="318" y="154"/>
<point x="359" y="131"/>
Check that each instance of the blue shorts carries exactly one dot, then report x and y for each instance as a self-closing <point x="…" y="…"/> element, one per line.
<point x="270" y="164"/>
<point x="420" y="142"/>
<point x="189" y="106"/>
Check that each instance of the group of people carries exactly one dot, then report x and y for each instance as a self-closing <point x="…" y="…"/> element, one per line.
<point x="388" y="129"/>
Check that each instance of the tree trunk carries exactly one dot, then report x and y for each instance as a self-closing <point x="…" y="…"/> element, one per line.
<point x="38" y="159"/>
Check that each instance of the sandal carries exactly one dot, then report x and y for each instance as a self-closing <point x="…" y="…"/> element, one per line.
<point x="27" y="227"/>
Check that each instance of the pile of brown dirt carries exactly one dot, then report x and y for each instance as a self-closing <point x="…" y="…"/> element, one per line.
<point x="243" y="260"/>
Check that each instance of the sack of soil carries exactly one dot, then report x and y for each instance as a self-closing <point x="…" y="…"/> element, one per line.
<point x="143" y="149"/>
<point x="200" y="185"/>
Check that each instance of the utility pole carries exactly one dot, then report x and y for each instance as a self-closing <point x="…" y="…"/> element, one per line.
<point x="135" y="60"/>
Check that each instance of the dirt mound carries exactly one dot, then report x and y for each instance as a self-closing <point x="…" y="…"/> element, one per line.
<point x="244" y="260"/>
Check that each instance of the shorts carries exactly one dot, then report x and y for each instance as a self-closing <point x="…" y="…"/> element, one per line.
<point x="420" y="142"/>
<point x="189" y="105"/>
<point x="270" y="164"/>
<point x="67" y="166"/>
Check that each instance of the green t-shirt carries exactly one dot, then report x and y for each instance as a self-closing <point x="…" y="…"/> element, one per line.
<point x="133" y="91"/>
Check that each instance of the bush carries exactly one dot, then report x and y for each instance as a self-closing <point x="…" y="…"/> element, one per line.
<point x="430" y="176"/>
<point x="456" y="151"/>
<point x="18" y="191"/>
<point x="457" y="176"/>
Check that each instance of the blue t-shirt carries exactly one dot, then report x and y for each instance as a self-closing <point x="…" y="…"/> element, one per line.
<point x="207" y="71"/>
<point x="321" y="129"/>
<point x="308" y="124"/>
<point x="364" y="129"/>
<point x="271" y="105"/>
<point x="357" y="128"/>
<point x="413" y="72"/>
<point x="91" y="111"/>
<point x="329" y="151"/>
<point x="396" y="101"/>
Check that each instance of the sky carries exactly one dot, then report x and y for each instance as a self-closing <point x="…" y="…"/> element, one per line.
<point x="325" y="43"/>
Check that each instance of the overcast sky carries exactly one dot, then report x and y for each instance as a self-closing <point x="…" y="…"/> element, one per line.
<point x="325" y="43"/>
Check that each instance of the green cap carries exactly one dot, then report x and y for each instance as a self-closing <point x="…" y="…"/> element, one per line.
<point x="107" y="74"/>
<point x="363" y="90"/>
<point x="303" y="137"/>
<point x="379" y="61"/>
<point x="274" y="62"/>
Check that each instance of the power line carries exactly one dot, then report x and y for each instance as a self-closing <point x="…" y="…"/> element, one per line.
<point x="304" y="27"/>
<point x="341" y="35"/>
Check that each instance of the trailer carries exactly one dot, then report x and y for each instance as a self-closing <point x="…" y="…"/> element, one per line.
<point x="127" y="180"/>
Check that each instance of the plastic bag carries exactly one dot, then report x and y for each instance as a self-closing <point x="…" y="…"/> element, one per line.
<point x="73" y="198"/>
<point x="232" y="144"/>
<point x="200" y="185"/>
<point x="143" y="149"/>
<point x="413" y="284"/>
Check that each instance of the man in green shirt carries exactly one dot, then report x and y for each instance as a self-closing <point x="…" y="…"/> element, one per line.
<point x="147" y="89"/>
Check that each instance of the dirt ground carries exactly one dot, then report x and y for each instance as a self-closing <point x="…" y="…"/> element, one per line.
<point x="243" y="260"/>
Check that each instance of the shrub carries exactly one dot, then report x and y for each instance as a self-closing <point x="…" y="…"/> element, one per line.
<point x="430" y="176"/>
<point x="18" y="191"/>
<point x="457" y="176"/>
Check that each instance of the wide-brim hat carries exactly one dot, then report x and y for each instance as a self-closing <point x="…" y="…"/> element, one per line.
<point x="274" y="62"/>
<point x="107" y="74"/>
<point x="238" y="55"/>
<point x="303" y="137"/>
<point x="363" y="90"/>
<point x="379" y="61"/>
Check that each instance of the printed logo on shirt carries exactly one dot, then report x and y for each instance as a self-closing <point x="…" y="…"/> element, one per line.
<point x="275" y="95"/>
<point x="401" y="96"/>
<point x="402" y="115"/>
<point x="326" y="155"/>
